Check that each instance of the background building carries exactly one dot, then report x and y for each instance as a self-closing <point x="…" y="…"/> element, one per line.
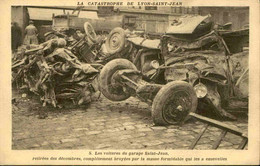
<point x="151" y="19"/>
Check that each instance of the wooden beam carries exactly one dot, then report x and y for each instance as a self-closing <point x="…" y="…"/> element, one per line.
<point x="217" y="143"/>
<point x="243" y="143"/>
<point x="218" y="124"/>
<point x="196" y="140"/>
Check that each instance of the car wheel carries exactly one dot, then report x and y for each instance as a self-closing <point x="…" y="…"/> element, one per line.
<point x="108" y="86"/>
<point x="173" y="103"/>
<point x="90" y="32"/>
<point x="115" y="41"/>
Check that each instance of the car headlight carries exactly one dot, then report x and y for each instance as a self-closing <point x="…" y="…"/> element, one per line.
<point x="154" y="64"/>
<point x="201" y="90"/>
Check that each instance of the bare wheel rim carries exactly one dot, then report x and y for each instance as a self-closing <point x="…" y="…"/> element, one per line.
<point x="114" y="86"/>
<point x="177" y="107"/>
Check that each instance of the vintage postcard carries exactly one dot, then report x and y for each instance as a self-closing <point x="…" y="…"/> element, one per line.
<point x="91" y="82"/>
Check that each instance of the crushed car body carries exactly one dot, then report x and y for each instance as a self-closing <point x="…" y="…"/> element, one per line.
<point x="196" y="63"/>
<point x="53" y="72"/>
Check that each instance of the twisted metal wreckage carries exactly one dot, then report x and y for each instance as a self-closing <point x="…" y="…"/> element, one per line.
<point x="52" y="71"/>
<point x="203" y="69"/>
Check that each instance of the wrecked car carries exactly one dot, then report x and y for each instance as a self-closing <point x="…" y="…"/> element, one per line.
<point x="86" y="46"/>
<point x="54" y="73"/>
<point x="193" y="61"/>
<point x="68" y="23"/>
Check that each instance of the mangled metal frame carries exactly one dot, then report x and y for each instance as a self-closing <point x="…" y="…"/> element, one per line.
<point x="127" y="81"/>
<point x="55" y="73"/>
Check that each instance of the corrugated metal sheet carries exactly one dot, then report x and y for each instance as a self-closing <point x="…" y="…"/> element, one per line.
<point x="186" y="24"/>
<point x="46" y="14"/>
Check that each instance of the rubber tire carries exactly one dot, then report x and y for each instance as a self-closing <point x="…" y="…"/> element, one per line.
<point x="105" y="78"/>
<point x="164" y="94"/>
<point x="92" y="38"/>
<point x="121" y="40"/>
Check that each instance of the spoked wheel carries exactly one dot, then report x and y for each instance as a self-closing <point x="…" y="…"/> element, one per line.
<point x="90" y="32"/>
<point x="115" y="41"/>
<point x="108" y="86"/>
<point x="173" y="103"/>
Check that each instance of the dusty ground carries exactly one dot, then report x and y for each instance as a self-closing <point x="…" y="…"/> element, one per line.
<point x="106" y="125"/>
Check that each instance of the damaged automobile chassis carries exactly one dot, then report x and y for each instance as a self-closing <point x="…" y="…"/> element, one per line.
<point x="197" y="67"/>
<point x="171" y="103"/>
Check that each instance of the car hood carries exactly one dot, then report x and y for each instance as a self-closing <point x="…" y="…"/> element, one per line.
<point x="152" y="44"/>
<point x="186" y="24"/>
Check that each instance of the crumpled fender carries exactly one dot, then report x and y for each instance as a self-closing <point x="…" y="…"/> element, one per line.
<point x="48" y="33"/>
<point x="201" y="69"/>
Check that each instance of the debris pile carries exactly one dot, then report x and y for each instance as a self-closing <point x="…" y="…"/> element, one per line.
<point x="51" y="71"/>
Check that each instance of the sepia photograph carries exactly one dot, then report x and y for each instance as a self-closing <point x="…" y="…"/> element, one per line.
<point x="124" y="82"/>
<point x="129" y="77"/>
